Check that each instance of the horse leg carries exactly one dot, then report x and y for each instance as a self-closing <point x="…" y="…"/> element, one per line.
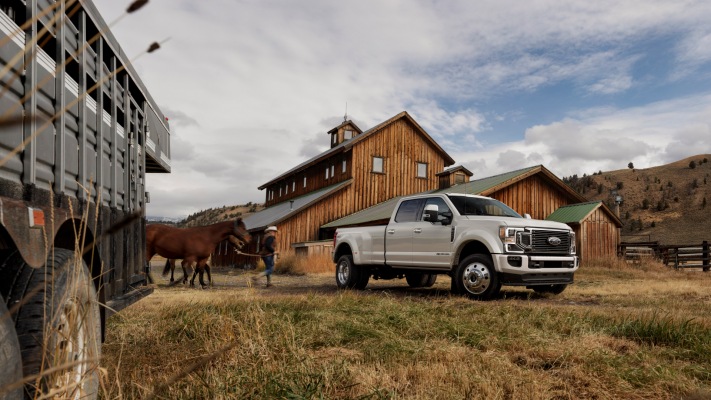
<point x="195" y="272"/>
<point x="209" y="277"/>
<point x="185" y="273"/>
<point x="201" y="266"/>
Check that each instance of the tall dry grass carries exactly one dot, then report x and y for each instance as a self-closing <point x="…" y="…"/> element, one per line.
<point x="394" y="342"/>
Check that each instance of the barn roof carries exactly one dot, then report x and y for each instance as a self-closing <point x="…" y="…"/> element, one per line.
<point x="577" y="213"/>
<point x="348" y="144"/>
<point x="484" y="187"/>
<point x="281" y="211"/>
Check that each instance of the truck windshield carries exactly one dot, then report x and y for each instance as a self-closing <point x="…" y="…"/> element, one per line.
<point x="480" y="206"/>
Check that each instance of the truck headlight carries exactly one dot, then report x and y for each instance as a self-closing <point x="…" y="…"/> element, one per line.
<point x="572" y="243"/>
<point x="507" y="235"/>
<point x="513" y="239"/>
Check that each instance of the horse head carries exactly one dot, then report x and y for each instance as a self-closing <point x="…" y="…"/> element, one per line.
<point x="240" y="231"/>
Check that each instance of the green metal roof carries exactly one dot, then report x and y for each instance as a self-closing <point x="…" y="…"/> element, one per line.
<point x="574" y="213"/>
<point x="375" y="213"/>
<point x="479" y="186"/>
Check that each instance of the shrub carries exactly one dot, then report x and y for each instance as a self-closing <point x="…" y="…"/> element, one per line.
<point x="692" y="164"/>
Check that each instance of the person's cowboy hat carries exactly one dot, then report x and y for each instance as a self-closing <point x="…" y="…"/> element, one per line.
<point x="271" y="228"/>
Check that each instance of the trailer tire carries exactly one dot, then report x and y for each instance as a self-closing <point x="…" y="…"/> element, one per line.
<point x="10" y="357"/>
<point x="477" y="277"/>
<point x="553" y="289"/>
<point x="58" y="323"/>
<point x="349" y="275"/>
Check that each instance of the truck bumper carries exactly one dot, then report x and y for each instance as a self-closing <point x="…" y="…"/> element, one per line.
<point x="527" y="270"/>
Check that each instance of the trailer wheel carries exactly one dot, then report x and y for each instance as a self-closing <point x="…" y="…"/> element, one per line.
<point x="349" y="275"/>
<point x="553" y="289"/>
<point x="477" y="277"/>
<point x="58" y="326"/>
<point x="10" y="357"/>
<point x="419" y="279"/>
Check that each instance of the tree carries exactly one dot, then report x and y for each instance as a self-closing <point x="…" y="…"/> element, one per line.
<point x="630" y="166"/>
<point x="692" y="164"/>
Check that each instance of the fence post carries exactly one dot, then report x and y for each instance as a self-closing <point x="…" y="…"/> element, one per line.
<point x="706" y="256"/>
<point x="676" y="259"/>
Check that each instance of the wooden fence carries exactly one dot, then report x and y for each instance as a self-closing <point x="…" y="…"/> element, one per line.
<point x="677" y="256"/>
<point x="687" y="256"/>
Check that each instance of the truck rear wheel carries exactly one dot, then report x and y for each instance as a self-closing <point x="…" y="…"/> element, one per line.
<point x="58" y="326"/>
<point x="477" y="277"/>
<point x="419" y="279"/>
<point x="349" y="275"/>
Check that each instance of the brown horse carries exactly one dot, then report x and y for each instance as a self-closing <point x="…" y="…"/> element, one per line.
<point x="170" y="263"/>
<point x="192" y="245"/>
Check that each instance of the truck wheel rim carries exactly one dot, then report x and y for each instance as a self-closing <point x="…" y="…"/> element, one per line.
<point x="70" y="336"/>
<point x="343" y="272"/>
<point x="476" y="278"/>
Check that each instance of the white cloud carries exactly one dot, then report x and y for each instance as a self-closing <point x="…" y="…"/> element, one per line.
<point x="252" y="87"/>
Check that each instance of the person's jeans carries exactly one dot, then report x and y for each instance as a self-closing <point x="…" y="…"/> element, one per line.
<point x="269" y="264"/>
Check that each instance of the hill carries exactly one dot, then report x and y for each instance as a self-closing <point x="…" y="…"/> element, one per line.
<point x="666" y="203"/>
<point x="213" y="215"/>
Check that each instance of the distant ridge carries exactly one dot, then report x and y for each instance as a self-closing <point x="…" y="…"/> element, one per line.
<point x="669" y="203"/>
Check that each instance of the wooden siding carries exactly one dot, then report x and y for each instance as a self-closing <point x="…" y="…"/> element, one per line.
<point x="533" y="195"/>
<point x="315" y="179"/>
<point x="401" y="147"/>
<point x="597" y="236"/>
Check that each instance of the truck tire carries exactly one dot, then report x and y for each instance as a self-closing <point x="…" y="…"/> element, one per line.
<point x="349" y="275"/>
<point x="10" y="357"/>
<point x="419" y="279"/>
<point x="58" y="324"/>
<point x="553" y="289"/>
<point x="477" y="277"/>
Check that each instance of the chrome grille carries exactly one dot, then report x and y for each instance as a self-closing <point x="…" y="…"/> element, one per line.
<point x="542" y="243"/>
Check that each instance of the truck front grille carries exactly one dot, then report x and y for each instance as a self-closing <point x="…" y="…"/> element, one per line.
<point x="544" y="241"/>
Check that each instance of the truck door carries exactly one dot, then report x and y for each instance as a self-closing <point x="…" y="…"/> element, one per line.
<point x="431" y="242"/>
<point x="398" y="234"/>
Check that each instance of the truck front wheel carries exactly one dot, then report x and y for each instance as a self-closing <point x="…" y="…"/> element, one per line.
<point x="58" y="326"/>
<point x="349" y="275"/>
<point x="477" y="277"/>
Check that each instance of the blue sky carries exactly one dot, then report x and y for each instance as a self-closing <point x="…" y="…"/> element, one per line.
<point x="251" y="87"/>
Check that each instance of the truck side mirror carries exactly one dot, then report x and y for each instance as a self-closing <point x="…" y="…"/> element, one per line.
<point x="527" y="216"/>
<point x="430" y="213"/>
<point x="447" y="217"/>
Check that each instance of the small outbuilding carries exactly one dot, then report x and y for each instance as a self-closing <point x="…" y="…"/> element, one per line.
<point x="597" y="228"/>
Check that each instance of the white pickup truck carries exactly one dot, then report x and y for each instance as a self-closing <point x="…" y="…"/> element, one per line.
<point x="480" y="242"/>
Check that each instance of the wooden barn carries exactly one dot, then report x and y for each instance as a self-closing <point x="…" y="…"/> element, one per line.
<point x="362" y="168"/>
<point x="597" y="228"/>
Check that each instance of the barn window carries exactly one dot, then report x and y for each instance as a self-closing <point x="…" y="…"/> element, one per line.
<point x="333" y="170"/>
<point x="378" y="164"/>
<point x="458" y="178"/>
<point x="343" y="169"/>
<point x="293" y="186"/>
<point x="421" y="170"/>
<point x="327" y="172"/>
<point x="286" y="189"/>
<point x="347" y="135"/>
<point x="279" y="191"/>
<point x="304" y="181"/>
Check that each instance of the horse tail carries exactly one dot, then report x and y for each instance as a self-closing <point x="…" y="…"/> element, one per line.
<point x="166" y="269"/>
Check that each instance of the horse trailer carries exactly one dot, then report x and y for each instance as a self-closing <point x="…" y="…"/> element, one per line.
<point x="78" y="133"/>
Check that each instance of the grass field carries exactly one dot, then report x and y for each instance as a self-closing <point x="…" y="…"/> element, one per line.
<point x="620" y="332"/>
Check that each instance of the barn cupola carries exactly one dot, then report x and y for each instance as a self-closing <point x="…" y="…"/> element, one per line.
<point x="454" y="176"/>
<point x="344" y="132"/>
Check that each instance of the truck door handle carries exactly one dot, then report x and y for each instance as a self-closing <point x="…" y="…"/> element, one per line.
<point x="391" y="231"/>
<point x="418" y="230"/>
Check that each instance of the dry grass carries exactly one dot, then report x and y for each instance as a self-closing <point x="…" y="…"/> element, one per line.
<point x="619" y="332"/>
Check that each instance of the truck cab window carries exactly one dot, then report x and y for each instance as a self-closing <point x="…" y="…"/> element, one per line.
<point x="409" y="211"/>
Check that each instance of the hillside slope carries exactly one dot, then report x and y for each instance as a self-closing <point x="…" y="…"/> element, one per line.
<point x="667" y="203"/>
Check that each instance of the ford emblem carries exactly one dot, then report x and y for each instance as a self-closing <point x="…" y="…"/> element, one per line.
<point x="554" y="241"/>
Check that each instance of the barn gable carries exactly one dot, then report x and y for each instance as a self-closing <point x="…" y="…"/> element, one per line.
<point x="597" y="228"/>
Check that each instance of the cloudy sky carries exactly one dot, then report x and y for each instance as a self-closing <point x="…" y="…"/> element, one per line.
<point x="252" y="86"/>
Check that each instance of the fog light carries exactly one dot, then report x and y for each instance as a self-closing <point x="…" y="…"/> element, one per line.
<point x="514" y="261"/>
